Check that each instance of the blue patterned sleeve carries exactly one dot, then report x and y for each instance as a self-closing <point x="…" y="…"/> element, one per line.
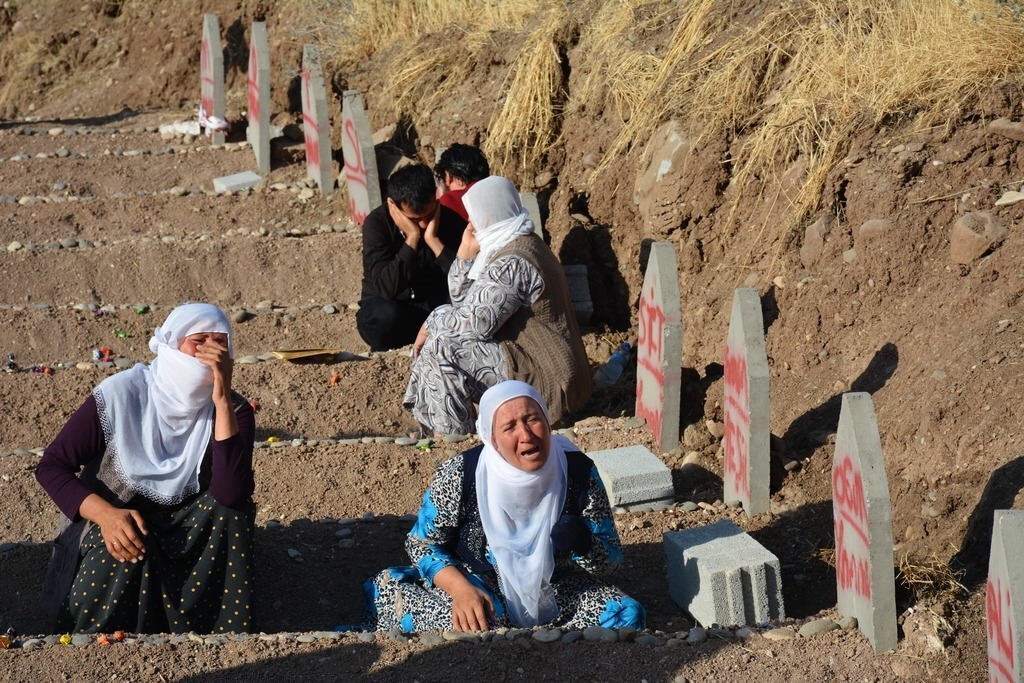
<point x="437" y="523"/>
<point x="606" y="550"/>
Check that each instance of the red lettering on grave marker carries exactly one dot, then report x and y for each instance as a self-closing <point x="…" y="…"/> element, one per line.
<point x="651" y="359"/>
<point x="737" y="421"/>
<point x="254" y="86"/>
<point x="849" y="509"/>
<point x="999" y="627"/>
<point x="311" y="133"/>
<point x="355" y="170"/>
<point x="206" y="77"/>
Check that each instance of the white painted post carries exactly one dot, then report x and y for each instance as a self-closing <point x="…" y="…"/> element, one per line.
<point x="211" y="75"/>
<point x="1004" y="598"/>
<point x="361" y="175"/>
<point x="258" y="132"/>
<point x="316" y="123"/>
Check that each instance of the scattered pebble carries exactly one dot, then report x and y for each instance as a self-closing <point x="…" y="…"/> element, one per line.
<point x="547" y="635"/>
<point x="779" y="634"/>
<point x="816" y="627"/>
<point x="696" y="636"/>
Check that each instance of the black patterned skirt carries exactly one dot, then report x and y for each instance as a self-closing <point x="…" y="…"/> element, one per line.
<point x="197" y="575"/>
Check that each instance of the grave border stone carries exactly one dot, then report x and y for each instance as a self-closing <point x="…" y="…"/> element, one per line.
<point x="747" y="439"/>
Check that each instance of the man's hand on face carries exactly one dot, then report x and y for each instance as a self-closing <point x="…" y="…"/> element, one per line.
<point x="410" y="231"/>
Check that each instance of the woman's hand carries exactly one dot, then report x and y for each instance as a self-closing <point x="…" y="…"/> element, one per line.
<point x="471" y="607"/>
<point x="214" y="354"/>
<point x="469" y="247"/>
<point x="421" y="340"/>
<point x="122" y="529"/>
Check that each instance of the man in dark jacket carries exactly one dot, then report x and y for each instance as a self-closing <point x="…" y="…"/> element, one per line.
<point x="409" y="243"/>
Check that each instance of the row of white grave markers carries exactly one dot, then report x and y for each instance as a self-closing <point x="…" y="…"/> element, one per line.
<point x="1004" y="604"/>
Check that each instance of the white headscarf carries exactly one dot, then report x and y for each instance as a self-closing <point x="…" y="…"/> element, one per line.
<point x="157" y="418"/>
<point x="497" y="216"/>
<point x="518" y="510"/>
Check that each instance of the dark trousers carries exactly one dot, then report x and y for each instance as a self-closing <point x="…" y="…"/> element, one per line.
<point x="387" y="324"/>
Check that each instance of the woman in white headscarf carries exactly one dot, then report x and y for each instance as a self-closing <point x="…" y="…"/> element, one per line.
<point x="157" y="530"/>
<point x="510" y="533"/>
<point x="511" y="317"/>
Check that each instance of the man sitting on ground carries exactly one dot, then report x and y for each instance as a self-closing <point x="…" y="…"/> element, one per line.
<point x="457" y="169"/>
<point x="409" y="243"/>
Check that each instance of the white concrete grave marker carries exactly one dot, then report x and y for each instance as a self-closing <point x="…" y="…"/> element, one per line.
<point x="532" y="206"/>
<point x="316" y="124"/>
<point x="747" y="435"/>
<point x="862" y="516"/>
<point x="211" y="77"/>
<point x="1004" y="598"/>
<point x="361" y="176"/>
<point x="660" y="347"/>
<point x="258" y="132"/>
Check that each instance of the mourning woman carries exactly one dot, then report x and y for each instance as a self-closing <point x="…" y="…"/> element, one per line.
<point x="510" y="317"/>
<point x="510" y="533"/>
<point x="158" y="524"/>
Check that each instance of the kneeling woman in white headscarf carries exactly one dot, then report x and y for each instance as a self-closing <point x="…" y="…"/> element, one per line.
<point x="157" y="529"/>
<point x="510" y="533"/>
<point x="511" y="317"/>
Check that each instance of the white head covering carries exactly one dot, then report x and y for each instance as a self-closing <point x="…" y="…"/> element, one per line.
<point x="497" y="216"/>
<point x="157" y="418"/>
<point x="518" y="509"/>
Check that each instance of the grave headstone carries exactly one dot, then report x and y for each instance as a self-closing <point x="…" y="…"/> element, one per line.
<point x="361" y="176"/>
<point x="211" y="75"/>
<point x="258" y="132"/>
<point x="579" y="291"/>
<point x="316" y="124"/>
<point x="660" y="347"/>
<point x="532" y="206"/>
<point x="747" y="410"/>
<point x="1004" y="598"/>
<point x="862" y="518"/>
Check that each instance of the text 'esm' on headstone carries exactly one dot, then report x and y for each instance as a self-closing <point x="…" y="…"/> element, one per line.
<point x="362" y="178"/>
<point x="660" y="347"/>
<point x="747" y="437"/>
<point x="862" y="519"/>
<point x="1004" y="598"/>
<point x="258" y="97"/>
<point x="211" y="81"/>
<point x="316" y="123"/>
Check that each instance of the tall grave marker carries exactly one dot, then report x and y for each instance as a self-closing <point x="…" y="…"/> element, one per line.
<point x="747" y="436"/>
<point x="316" y="125"/>
<point x="258" y="131"/>
<point x="1004" y="598"/>
<point x="660" y="347"/>
<point x="361" y="176"/>
<point x="862" y="516"/>
<point x="211" y="77"/>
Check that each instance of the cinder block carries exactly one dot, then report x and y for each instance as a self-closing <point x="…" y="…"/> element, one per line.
<point x="720" y="575"/>
<point x="236" y="182"/>
<point x="579" y="290"/>
<point x="634" y="477"/>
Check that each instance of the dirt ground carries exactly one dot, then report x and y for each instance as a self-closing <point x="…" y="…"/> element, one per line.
<point x="936" y="343"/>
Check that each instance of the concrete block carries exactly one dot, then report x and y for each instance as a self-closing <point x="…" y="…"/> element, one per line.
<point x="236" y="182"/>
<point x="660" y="347"/>
<point x="747" y="436"/>
<point x="258" y="132"/>
<point x="862" y="518"/>
<point x="579" y="290"/>
<point x="211" y="74"/>
<point x="1004" y="598"/>
<point x="532" y="206"/>
<point x="316" y="122"/>
<point x="633" y="476"/>
<point x="362" y="177"/>
<point x="720" y="575"/>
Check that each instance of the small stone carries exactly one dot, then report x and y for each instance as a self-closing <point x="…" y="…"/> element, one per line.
<point x="306" y="638"/>
<point x="294" y="554"/>
<point x="688" y="506"/>
<point x="83" y="365"/>
<point x="14" y="246"/>
<point x="405" y="441"/>
<point x="307" y="193"/>
<point x="516" y="633"/>
<point x="744" y="633"/>
<point x="241" y="316"/>
<point x="816" y="627"/>
<point x="848" y="623"/>
<point x="720" y="633"/>
<point x="81" y="639"/>
<point x="123" y="363"/>
<point x="455" y="438"/>
<point x="547" y="635"/>
<point x="716" y="429"/>
<point x="572" y="637"/>
<point x="779" y="634"/>
<point x="431" y="639"/>
<point x="62" y="152"/>
<point x="55" y="132"/>
<point x="696" y="636"/>
<point x="460" y="636"/>
<point x="600" y="634"/>
<point x="366" y="637"/>
<point x="330" y="309"/>
<point x="344" y="532"/>
<point x="648" y="640"/>
<point x="32" y="643"/>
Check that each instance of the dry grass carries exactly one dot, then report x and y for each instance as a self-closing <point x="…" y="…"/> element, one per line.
<point x="931" y="578"/>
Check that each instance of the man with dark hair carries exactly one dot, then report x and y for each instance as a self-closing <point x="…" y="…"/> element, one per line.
<point x="457" y="169"/>
<point x="409" y="243"/>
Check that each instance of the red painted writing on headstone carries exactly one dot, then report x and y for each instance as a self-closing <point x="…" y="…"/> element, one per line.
<point x="849" y="509"/>
<point x="355" y="172"/>
<point x="254" y="87"/>
<point x="650" y="384"/>
<point x="736" y="440"/>
<point x="206" y="77"/>
<point x="1000" y="629"/>
<point x="310" y="131"/>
